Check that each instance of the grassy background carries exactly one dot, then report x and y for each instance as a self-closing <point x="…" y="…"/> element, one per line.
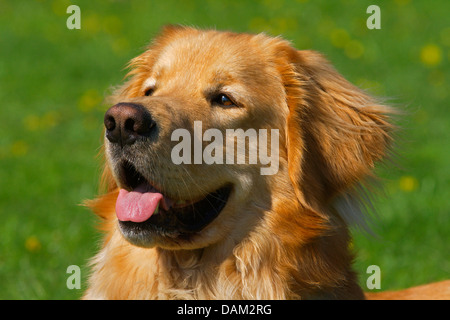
<point x="53" y="80"/>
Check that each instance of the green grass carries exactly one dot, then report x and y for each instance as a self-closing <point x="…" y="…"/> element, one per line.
<point x="53" y="80"/>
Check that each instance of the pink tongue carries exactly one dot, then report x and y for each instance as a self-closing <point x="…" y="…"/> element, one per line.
<point x="137" y="205"/>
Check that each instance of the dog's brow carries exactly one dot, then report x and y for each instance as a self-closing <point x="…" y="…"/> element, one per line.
<point x="222" y="76"/>
<point x="221" y="79"/>
<point x="149" y="83"/>
<point x="218" y="88"/>
<point x="213" y="89"/>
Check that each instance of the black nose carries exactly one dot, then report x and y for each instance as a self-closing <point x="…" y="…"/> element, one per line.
<point x="126" y="122"/>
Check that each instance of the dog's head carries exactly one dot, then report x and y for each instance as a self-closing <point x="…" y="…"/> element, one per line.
<point x="213" y="131"/>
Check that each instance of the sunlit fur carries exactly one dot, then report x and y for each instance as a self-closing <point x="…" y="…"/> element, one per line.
<point x="280" y="236"/>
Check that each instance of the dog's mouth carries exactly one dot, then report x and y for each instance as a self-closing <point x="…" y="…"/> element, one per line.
<point x="144" y="210"/>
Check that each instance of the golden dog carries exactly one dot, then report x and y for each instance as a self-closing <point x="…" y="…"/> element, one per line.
<point x="220" y="228"/>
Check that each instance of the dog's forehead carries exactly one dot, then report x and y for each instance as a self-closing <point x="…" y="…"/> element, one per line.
<point x="206" y="53"/>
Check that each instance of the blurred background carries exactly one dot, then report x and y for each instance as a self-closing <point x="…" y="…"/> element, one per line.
<point x="53" y="81"/>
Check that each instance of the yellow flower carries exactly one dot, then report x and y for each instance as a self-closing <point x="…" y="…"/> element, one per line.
<point x="89" y="100"/>
<point x="120" y="45"/>
<point x="112" y="25"/>
<point x="32" y="244"/>
<point x="59" y="7"/>
<point x="33" y="122"/>
<point x="431" y="55"/>
<point x="19" y="148"/>
<point x="408" y="183"/>
<point x="50" y="119"/>
<point x="90" y="24"/>
<point x="354" y="49"/>
<point x="339" y="38"/>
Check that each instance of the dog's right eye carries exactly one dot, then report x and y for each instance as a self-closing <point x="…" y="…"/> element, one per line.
<point x="149" y="91"/>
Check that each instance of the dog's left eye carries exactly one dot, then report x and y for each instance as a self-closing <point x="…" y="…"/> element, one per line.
<point x="223" y="100"/>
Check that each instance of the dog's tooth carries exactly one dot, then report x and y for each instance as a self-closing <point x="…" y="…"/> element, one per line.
<point x="157" y="209"/>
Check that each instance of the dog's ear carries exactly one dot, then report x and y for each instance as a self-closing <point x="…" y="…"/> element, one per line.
<point x="335" y="131"/>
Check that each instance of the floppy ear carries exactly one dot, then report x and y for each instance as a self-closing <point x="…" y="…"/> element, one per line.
<point x="335" y="131"/>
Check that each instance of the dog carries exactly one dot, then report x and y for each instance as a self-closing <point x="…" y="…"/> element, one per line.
<point x="185" y="219"/>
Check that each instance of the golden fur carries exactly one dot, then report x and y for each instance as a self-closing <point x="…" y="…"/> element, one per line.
<point x="279" y="236"/>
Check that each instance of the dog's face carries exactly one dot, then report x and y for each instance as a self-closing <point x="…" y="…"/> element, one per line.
<point x="187" y="177"/>
<point x="192" y="81"/>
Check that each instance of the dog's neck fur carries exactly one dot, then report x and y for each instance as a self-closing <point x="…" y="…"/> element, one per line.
<point x="315" y="263"/>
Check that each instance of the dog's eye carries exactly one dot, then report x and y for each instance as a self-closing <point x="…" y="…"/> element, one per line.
<point x="223" y="100"/>
<point x="149" y="91"/>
